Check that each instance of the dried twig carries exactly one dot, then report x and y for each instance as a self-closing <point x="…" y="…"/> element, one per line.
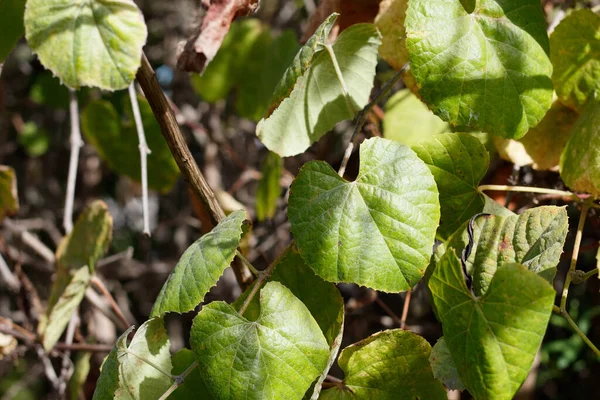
<point x="76" y="144"/>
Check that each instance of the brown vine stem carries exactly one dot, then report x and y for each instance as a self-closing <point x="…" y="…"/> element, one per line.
<point x="361" y="118"/>
<point x="405" y="309"/>
<point x="179" y="380"/>
<point x="169" y="127"/>
<point x="97" y="283"/>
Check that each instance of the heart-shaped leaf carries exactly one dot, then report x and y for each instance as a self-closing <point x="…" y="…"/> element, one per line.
<point x="443" y="366"/>
<point x="11" y="21"/>
<point x="9" y="199"/>
<point x="95" y="43"/>
<point x="458" y="161"/>
<point x="580" y="159"/>
<point x="276" y="356"/>
<point x="377" y="231"/>
<point x="390" y="365"/>
<point x="485" y="67"/>
<point x="200" y="266"/>
<point x="575" y="55"/>
<point x="321" y="88"/>
<point x="542" y="146"/>
<point x="493" y="339"/>
<point x="117" y="142"/>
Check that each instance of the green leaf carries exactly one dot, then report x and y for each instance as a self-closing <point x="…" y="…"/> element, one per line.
<point x="108" y="381"/>
<point x="322" y="299"/>
<point x="67" y="302"/>
<point x="575" y="55"/>
<point x="580" y="159"/>
<point x="276" y="356"/>
<point x="487" y="69"/>
<point x="458" y="161"/>
<point x="534" y="239"/>
<point x="193" y="386"/>
<point x="117" y="142"/>
<point x="311" y="97"/>
<point x="542" y="146"/>
<point x="493" y="339"/>
<point x="200" y="267"/>
<point x="9" y="199"/>
<point x="34" y="139"/>
<point x="81" y="370"/>
<point x="390" y="22"/>
<point x="96" y="43"/>
<point x="11" y="21"/>
<point x="268" y="187"/>
<point x="443" y="366"/>
<point x="409" y="121"/>
<point x="377" y="231"/>
<point x="391" y="364"/>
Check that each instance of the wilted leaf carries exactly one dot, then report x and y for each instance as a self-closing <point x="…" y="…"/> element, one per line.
<point x="377" y="231"/>
<point x="268" y="187"/>
<point x="193" y="386"/>
<point x="200" y="267"/>
<point x="493" y="339"/>
<point x="203" y="45"/>
<point x="95" y="43"/>
<point x="580" y="159"/>
<point x="310" y="98"/>
<point x="9" y="199"/>
<point x="458" y="161"/>
<point x="575" y="55"/>
<point x="117" y="142"/>
<point x="11" y="21"/>
<point x="276" y="356"/>
<point x="484" y="66"/>
<point x="390" y="365"/>
<point x="390" y="22"/>
<point x="542" y="146"/>
<point x="443" y="366"/>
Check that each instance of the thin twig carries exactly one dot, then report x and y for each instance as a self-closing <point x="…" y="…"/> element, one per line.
<point x="31" y="241"/>
<point x="7" y="276"/>
<point x="405" y="309"/>
<point x="179" y="380"/>
<point x="98" y="302"/>
<point x="144" y="152"/>
<point x="48" y="368"/>
<point x="576" y="328"/>
<point x="529" y="189"/>
<point x="76" y="144"/>
<point x="98" y="284"/>
<point x="388" y="310"/>
<point x="361" y="118"/>
<point x="92" y="348"/>
<point x="126" y="254"/>
<point x="248" y="263"/>
<point x="163" y="113"/>
<point x="67" y="366"/>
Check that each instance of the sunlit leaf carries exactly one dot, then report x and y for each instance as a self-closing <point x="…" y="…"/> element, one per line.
<point x="390" y="22"/>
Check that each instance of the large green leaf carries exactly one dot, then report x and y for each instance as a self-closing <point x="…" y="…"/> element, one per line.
<point x="377" y="231"/>
<point x="200" y="267"/>
<point x="94" y="43"/>
<point x="9" y="199"/>
<point x="485" y="67"/>
<point x="409" y="121"/>
<point x="542" y="146"/>
<point x="11" y="21"/>
<point x="493" y="339"/>
<point x="193" y="386"/>
<point x="580" y="159"/>
<point x="391" y="364"/>
<point x="575" y="55"/>
<point x="443" y="366"/>
<point x="317" y="99"/>
<point x="458" y="161"/>
<point x="534" y="239"/>
<point x="322" y="299"/>
<point x="268" y="191"/>
<point x="276" y="356"/>
<point x="117" y="142"/>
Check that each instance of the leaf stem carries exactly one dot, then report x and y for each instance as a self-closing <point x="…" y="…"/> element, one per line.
<point x="340" y="77"/>
<point x="361" y="118"/>
<point x="405" y="309"/>
<point x="247" y="262"/>
<point x="144" y="152"/>
<point x="529" y="189"/>
<point x="76" y="144"/>
<point x="565" y="293"/>
<point x="578" y="331"/>
<point x="179" y="380"/>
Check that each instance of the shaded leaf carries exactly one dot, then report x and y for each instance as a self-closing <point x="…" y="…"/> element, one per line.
<point x="409" y="121"/>
<point x="193" y="386"/>
<point x="580" y="159"/>
<point x="486" y="68"/>
<point x="443" y="366"/>
<point x="34" y="139"/>
<point x="117" y="142"/>
<point x="47" y="90"/>
<point x="493" y="339"/>
<point x="108" y="381"/>
<point x="11" y="21"/>
<point x="377" y="231"/>
<point x="387" y="365"/>
<point x="97" y="43"/>
<point x="9" y="199"/>
<point x="575" y="55"/>
<point x="542" y="146"/>
<point x="81" y="370"/>
<point x="458" y="162"/>
<point x="268" y="190"/>
<point x="390" y="22"/>
<point x="276" y="356"/>
<point x="200" y="267"/>
<point x="310" y="98"/>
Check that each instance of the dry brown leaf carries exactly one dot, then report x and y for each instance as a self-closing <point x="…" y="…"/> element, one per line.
<point x="203" y="45"/>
